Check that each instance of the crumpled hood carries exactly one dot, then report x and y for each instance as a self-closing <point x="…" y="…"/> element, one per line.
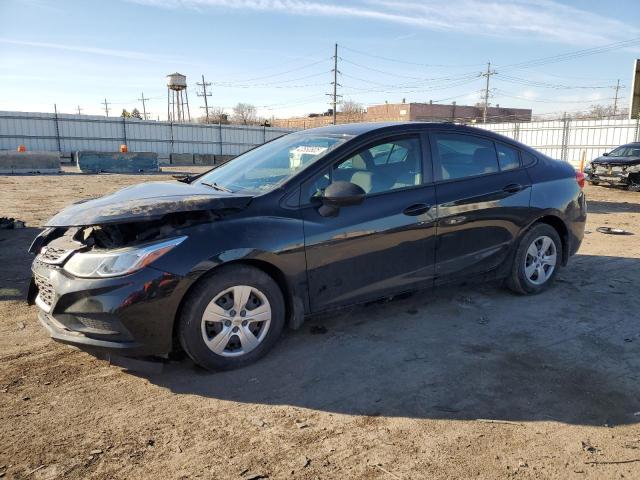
<point x="146" y="201"/>
<point x="620" y="161"/>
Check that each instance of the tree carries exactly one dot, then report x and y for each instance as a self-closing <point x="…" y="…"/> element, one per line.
<point x="244" y="113"/>
<point x="135" y="113"/>
<point x="350" y="107"/>
<point x="601" y="111"/>
<point x="125" y="114"/>
<point x="216" y="115"/>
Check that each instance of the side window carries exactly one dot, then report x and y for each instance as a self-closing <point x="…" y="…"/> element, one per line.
<point x="464" y="155"/>
<point x="507" y="157"/>
<point x="528" y="159"/>
<point x="315" y="188"/>
<point x="379" y="168"/>
<point x="382" y="167"/>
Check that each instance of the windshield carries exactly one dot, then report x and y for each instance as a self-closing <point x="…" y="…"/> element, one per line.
<point x="268" y="166"/>
<point x="619" y="152"/>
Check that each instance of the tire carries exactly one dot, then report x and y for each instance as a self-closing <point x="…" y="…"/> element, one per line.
<point x="521" y="279"/>
<point x="226" y="338"/>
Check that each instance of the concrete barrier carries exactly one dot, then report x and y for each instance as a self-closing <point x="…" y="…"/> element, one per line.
<point x="220" y="159"/>
<point x="204" y="159"/>
<point x="29" y="162"/>
<point x="130" y="162"/>
<point x="181" y="159"/>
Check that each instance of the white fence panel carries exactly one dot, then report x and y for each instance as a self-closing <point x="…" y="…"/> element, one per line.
<point x="68" y="133"/>
<point x="571" y="139"/>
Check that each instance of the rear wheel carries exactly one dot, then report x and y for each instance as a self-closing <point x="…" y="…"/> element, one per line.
<point x="536" y="261"/>
<point x="232" y="318"/>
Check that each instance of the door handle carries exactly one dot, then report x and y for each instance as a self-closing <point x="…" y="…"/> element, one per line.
<point x="417" y="209"/>
<point x="513" y="188"/>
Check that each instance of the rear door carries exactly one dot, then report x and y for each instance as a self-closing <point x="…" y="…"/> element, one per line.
<point x="483" y="195"/>
<point x="384" y="245"/>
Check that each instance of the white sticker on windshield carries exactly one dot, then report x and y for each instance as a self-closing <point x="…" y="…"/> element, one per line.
<point x="299" y="155"/>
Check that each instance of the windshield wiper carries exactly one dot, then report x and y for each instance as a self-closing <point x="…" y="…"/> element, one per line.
<point x="217" y="187"/>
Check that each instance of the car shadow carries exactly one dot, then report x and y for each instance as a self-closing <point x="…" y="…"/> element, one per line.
<point x="15" y="262"/>
<point x="571" y="354"/>
<point x="595" y="206"/>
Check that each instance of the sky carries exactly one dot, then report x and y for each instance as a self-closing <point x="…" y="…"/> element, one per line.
<point x="278" y="54"/>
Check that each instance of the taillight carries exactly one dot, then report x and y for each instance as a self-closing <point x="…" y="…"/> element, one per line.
<point x="580" y="179"/>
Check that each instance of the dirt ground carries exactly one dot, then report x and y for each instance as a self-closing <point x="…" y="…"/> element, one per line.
<point x="470" y="382"/>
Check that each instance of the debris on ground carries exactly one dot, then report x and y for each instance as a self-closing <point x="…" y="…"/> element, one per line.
<point x="587" y="447"/>
<point x="9" y="223"/>
<point x="613" y="231"/>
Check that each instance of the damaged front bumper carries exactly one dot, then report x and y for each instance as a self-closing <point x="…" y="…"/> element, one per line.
<point x="131" y="315"/>
<point x="615" y="175"/>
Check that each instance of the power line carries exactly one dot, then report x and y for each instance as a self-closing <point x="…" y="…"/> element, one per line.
<point x="557" y="86"/>
<point x="571" y="55"/>
<point x="396" y="60"/>
<point x="548" y="100"/>
<point x="204" y="94"/>
<point x="280" y="73"/>
<point x="270" y="84"/>
<point x="411" y="77"/>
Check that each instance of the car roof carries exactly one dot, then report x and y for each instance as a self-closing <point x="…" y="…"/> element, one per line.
<point x="356" y="129"/>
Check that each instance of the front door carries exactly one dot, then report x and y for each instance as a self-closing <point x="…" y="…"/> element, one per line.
<point x="384" y="245"/>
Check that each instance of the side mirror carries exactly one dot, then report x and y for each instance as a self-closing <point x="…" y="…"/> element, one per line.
<point x="340" y="194"/>
<point x="605" y="154"/>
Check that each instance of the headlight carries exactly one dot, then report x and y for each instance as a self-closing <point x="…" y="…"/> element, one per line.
<point x="118" y="262"/>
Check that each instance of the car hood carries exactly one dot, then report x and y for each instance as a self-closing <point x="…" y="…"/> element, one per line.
<point x="146" y="201"/>
<point x="616" y="161"/>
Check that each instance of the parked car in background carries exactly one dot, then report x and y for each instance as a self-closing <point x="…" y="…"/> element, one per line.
<point x="620" y="167"/>
<point x="312" y="221"/>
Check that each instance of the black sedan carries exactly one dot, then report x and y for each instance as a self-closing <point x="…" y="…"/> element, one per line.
<point x="219" y="264"/>
<point x="620" y="167"/>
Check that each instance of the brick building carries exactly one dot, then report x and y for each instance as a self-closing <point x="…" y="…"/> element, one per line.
<point x="412" y="112"/>
<point x="435" y="112"/>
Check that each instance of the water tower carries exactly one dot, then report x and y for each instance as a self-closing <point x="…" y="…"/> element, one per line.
<point x="177" y="99"/>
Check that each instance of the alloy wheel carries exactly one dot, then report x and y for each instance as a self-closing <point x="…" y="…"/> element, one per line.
<point x="236" y="321"/>
<point x="540" y="260"/>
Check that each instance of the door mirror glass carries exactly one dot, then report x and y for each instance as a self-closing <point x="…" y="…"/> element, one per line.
<point x="340" y="194"/>
<point x="605" y="154"/>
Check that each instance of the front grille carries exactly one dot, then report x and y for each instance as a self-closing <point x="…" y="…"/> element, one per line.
<point x="45" y="290"/>
<point x="52" y="255"/>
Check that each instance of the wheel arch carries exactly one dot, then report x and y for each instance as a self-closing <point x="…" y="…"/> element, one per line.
<point x="559" y="226"/>
<point x="294" y="306"/>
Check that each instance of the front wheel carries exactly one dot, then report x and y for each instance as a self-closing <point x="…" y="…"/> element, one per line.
<point x="536" y="261"/>
<point x="232" y="318"/>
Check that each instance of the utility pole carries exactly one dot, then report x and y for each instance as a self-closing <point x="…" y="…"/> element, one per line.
<point x="487" y="74"/>
<point x="204" y="94"/>
<point x="144" y="106"/>
<point x="79" y="110"/>
<point x="615" y="101"/>
<point x="334" y="96"/>
<point x="106" y="107"/>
